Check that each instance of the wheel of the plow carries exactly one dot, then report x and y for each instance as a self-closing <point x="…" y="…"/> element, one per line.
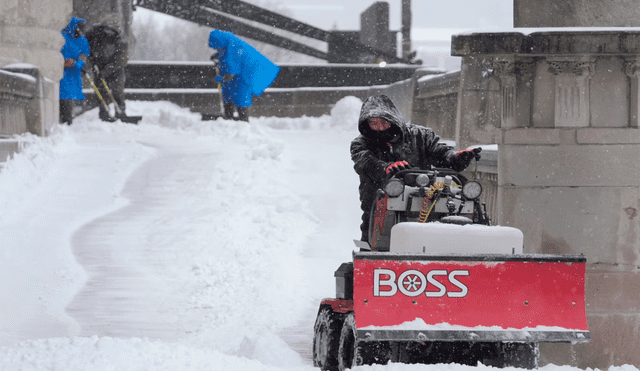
<point x="521" y="355"/>
<point x="352" y="352"/>
<point x="326" y="338"/>
<point x="347" y="352"/>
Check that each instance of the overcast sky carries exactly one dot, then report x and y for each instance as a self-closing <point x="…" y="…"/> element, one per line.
<point x="345" y="14"/>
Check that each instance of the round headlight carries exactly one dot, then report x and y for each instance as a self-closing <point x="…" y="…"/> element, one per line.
<point x="472" y="190"/>
<point x="394" y="188"/>
<point x="422" y="180"/>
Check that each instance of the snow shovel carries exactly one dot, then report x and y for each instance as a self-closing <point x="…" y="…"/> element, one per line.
<point x="102" y="101"/>
<point x="119" y="114"/>
<point x="216" y="65"/>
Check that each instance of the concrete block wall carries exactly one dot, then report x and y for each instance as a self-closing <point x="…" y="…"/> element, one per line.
<point x="26" y="36"/>
<point x="31" y="67"/>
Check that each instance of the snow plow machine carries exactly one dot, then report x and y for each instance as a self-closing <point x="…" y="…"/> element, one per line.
<point x="439" y="284"/>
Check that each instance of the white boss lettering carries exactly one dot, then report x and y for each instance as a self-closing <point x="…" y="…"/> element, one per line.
<point x="436" y="283"/>
<point x="463" y="289"/>
<point x="414" y="283"/>
<point x="390" y="282"/>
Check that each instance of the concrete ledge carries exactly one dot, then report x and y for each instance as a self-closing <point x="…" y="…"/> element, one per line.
<point x="164" y="75"/>
<point x="18" y="84"/>
<point x="608" y="136"/>
<point x="313" y="102"/>
<point x="565" y="41"/>
<point x="438" y="85"/>
<point x="532" y="136"/>
<point x="9" y="147"/>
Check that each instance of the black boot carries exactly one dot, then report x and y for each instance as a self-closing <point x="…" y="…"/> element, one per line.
<point x="120" y="112"/>
<point x="104" y="116"/>
<point x="243" y="114"/>
<point x="229" y="109"/>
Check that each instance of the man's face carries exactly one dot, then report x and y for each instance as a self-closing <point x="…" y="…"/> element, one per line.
<point x="379" y="124"/>
<point x="79" y="30"/>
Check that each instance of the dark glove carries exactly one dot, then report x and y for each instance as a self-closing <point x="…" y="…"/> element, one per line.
<point x="224" y="78"/>
<point x="69" y="62"/>
<point x="397" y="166"/>
<point x="462" y="159"/>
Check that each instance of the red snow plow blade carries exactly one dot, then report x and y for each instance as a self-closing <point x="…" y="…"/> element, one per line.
<point x="509" y="298"/>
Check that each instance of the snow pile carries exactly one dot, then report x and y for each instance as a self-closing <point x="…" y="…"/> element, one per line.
<point x="344" y="117"/>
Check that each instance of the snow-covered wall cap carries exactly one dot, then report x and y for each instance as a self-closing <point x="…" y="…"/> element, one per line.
<point x="577" y="41"/>
<point x="529" y="31"/>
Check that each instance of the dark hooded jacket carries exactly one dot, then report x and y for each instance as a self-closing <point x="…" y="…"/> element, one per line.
<point x="108" y="51"/>
<point x="373" y="151"/>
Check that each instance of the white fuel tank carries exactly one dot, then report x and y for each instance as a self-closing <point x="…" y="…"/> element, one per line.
<point x="441" y="238"/>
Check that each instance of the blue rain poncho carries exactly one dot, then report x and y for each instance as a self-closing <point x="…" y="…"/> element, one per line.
<point x="253" y="71"/>
<point x="71" y="83"/>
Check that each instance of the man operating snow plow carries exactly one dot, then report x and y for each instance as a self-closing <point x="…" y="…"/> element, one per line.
<point x="433" y="281"/>
<point x="438" y="284"/>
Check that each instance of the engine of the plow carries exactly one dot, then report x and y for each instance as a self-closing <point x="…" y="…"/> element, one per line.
<point x="439" y="284"/>
<point x="436" y="211"/>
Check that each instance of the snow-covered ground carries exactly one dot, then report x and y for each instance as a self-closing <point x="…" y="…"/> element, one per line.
<point x="177" y="244"/>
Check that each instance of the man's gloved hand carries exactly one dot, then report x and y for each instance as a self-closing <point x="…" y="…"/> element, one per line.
<point x="463" y="158"/>
<point x="215" y="60"/>
<point x="397" y="166"/>
<point x="69" y="62"/>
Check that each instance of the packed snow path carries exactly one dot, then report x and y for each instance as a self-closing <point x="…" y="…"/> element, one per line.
<point x="220" y="235"/>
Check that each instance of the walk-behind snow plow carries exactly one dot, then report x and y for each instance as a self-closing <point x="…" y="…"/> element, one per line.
<point x="440" y="285"/>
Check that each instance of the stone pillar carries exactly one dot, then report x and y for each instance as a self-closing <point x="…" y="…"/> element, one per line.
<point x="30" y="41"/>
<point x="374" y="28"/>
<point x="30" y="33"/>
<point x="406" y="29"/>
<point x="568" y="167"/>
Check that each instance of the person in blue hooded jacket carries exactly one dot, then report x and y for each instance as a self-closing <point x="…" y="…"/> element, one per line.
<point x="244" y="72"/>
<point x="75" y="52"/>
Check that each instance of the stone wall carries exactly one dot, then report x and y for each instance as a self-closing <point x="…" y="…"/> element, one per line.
<point x="576" y="13"/>
<point x="30" y="42"/>
<point x="30" y="33"/>
<point x="569" y="140"/>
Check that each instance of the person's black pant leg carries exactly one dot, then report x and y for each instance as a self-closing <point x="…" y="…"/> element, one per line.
<point x="66" y="111"/>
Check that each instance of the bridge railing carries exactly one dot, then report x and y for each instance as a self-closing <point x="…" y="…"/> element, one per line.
<point x="299" y="90"/>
